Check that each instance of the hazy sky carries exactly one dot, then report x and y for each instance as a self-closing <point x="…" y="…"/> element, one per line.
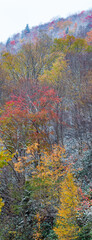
<point x="15" y="14"/>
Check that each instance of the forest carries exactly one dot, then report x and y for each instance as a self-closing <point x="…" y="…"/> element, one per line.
<point x="45" y="140"/>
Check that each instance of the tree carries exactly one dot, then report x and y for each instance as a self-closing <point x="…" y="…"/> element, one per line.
<point x="26" y="120"/>
<point x="66" y="223"/>
<point x="58" y="77"/>
<point x="27" y="64"/>
<point x="27" y="29"/>
<point x="48" y="174"/>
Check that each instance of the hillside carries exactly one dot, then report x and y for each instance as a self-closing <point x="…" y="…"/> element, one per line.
<point x="77" y="25"/>
<point x="46" y="132"/>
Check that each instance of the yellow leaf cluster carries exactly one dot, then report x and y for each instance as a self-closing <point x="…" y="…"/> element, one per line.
<point x="21" y="164"/>
<point x="1" y="204"/>
<point x="32" y="148"/>
<point x="37" y="233"/>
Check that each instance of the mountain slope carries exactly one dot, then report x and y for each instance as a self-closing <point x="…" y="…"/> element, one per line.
<point x="78" y="25"/>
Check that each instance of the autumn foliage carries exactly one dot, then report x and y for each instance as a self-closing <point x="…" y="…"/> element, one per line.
<point x="45" y="137"/>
